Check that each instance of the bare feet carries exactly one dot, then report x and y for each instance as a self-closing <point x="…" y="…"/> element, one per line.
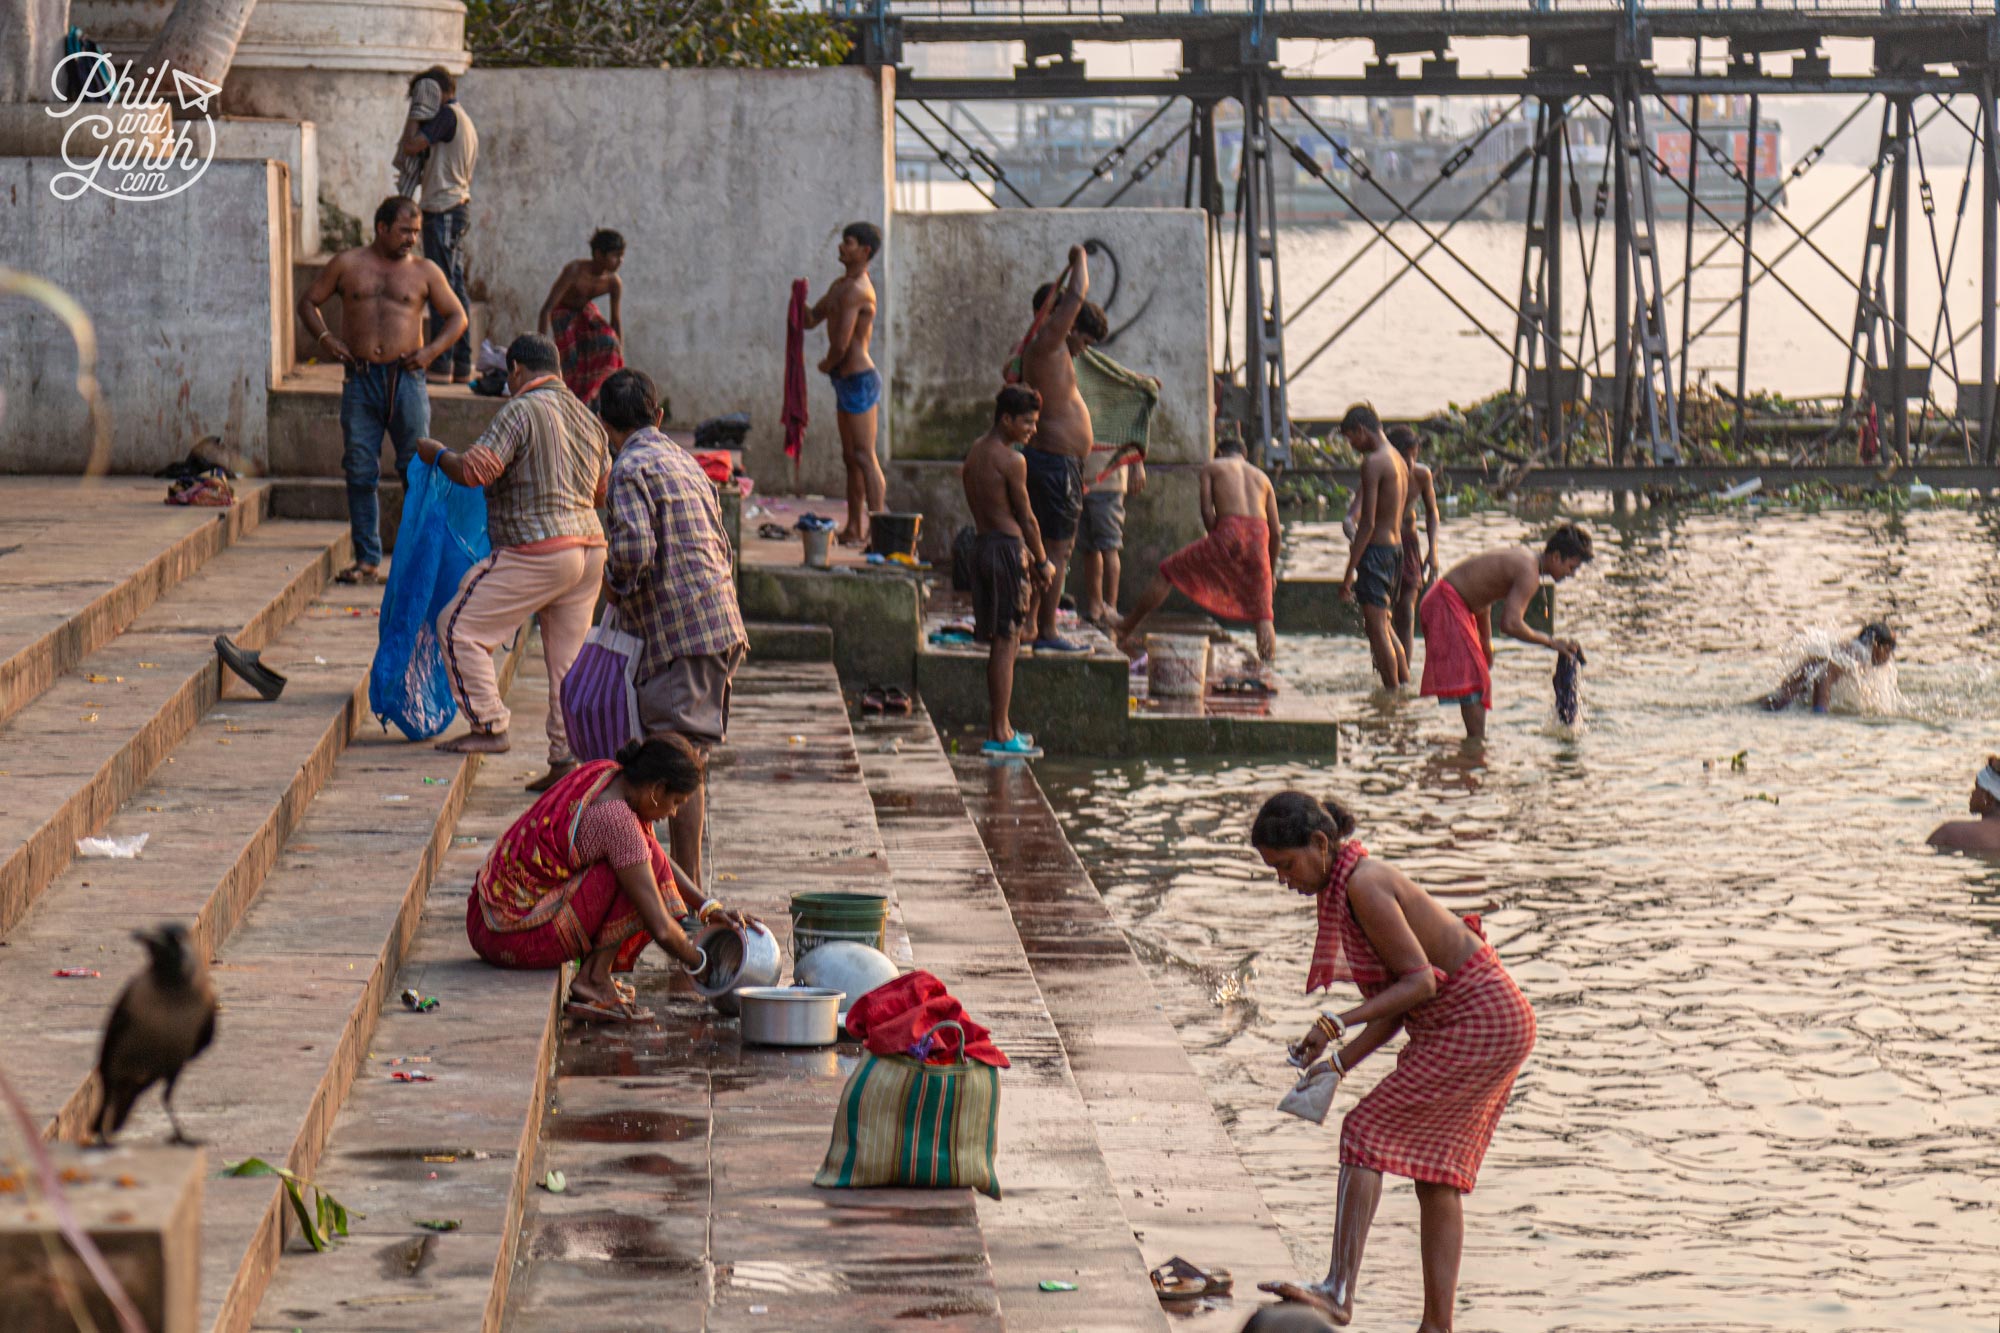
<point x="556" y="773"/>
<point x="477" y="742"/>
<point x="1293" y="1293"/>
<point x="1267" y="640"/>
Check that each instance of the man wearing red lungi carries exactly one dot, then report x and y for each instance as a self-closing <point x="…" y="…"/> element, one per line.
<point x="1457" y="615"/>
<point x="1426" y="973"/>
<point x="1228" y="573"/>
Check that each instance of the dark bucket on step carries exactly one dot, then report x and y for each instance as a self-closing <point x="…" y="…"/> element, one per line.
<point x="894" y="534"/>
<point x="822" y="917"/>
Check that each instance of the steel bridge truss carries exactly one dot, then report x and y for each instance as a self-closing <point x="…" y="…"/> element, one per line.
<point x="1926" y="68"/>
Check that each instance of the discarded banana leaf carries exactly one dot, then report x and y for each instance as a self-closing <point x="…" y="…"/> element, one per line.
<point x="326" y="1219"/>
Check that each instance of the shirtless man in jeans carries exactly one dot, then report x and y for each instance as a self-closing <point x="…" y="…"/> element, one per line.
<point x="1056" y="456"/>
<point x="1009" y="562"/>
<point x="384" y="289"/>
<point x="1375" y="555"/>
<point x="848" y="311"/>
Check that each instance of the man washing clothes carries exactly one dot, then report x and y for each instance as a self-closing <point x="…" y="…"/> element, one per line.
<point x="848" y="311"/>
<point x="1065" y="326"/>
<point x="384" y="289"/>
<point x="545" y="470"/>
<point x="1457" y="615"/>
<point x="592" y="347"/>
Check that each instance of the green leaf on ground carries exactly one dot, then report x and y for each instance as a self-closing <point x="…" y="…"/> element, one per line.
<point x="319" y="1224"/>
<point x="555" y="1182"/>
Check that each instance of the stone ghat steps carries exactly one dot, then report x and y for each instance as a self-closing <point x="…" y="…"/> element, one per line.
<point x="458" y="1149"/>
<point x="295" y="837"/>
<point x="84" y="560"/>
<point x="689" y="1156"/>
<point x="72" y="756"/>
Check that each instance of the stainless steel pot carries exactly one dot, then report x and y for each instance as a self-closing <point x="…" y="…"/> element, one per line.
<point x="735" y="959"/>
<point x="789" y="1015"/>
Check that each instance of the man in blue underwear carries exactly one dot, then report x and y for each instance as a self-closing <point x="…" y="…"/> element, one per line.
<point x="1375" y="552"/>
<point x="848" y="311"/>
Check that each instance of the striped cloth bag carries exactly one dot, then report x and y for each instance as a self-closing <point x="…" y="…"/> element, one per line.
<point x="600" y="695"/>
<point x="901" y="1122"/>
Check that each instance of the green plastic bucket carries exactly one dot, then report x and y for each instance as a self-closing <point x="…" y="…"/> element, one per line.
<point x="822" y="917"/>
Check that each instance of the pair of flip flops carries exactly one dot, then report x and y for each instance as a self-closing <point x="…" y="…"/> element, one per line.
<point x="890" y="700"/>
<point x="773" y="532"/>
<point x="360" y="574"/>
<point x="1179" y="1280"/>
<point x="593" y="1011"/>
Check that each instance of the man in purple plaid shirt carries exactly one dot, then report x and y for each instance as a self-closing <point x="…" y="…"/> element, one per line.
<point x="668" y="575"/>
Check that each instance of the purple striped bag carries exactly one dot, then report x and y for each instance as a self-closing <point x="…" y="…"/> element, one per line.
<point x="600" y="695"/>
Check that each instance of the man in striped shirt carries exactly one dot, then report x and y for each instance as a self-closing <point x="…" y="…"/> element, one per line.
<point x="545" y="469"/>
<point x="670" y="576"/>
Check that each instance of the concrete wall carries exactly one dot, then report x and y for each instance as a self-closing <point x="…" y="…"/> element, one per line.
<point x="726" y="184"/>
<point x="296" y="144"/>
<point x="964" y="282"/>
<point x="182" y="292"/>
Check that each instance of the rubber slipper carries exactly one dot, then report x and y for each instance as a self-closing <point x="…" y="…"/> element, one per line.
<point x="589" y="1011"/>
<point x="244" y="663"/>
<point x="874" y="699"/>
<point x="365" y="574"/>
<point x="896" y="700"/>
<point x="1179" y="1280"/>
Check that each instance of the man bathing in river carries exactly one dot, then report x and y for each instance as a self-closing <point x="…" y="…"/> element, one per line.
<point x="1009" y="560"/>
<point x="1375" y="553"/>
<point x="1458" y="618"/>
<point x="1420" y="568"/>
<point x="1432" y="976"/>
<point x="1065" y="324"/>
<point x="848" y="311"/>
<point x="1982" y="834"/>
<point x="1819" y="673"/>
<point x="1228" y="573"/>
<point x="592" y="347"/>
<point x="384" y="289"/>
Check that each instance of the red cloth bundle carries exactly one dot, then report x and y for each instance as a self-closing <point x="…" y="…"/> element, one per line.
<point x="715" y="462"/>
<point x="902" y="1017"/>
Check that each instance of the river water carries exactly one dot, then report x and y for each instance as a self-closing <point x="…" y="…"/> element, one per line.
<point x="1767" y="1087"/>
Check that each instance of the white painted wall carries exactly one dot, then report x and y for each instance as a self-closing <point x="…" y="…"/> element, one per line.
<point x="727" y="184"/>
<point x="181" y="291"/>
<point x="965" y="284"/>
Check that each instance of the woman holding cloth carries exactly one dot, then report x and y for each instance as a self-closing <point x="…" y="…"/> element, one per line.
<point x="581" y="878"/>
<point x="1433" y="976"/>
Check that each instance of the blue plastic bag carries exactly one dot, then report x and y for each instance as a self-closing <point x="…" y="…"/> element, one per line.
<point x="443" y="534"/>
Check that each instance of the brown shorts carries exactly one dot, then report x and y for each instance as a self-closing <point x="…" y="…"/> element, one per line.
<point x="690" y="696"/>
<point x="1000" y="589"/>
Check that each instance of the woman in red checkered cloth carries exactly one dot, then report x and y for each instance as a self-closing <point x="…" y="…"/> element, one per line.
<point x="1431" y="975"/>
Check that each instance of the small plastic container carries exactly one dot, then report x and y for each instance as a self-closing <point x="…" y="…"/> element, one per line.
<point x="819" y="545"/>
<point x="1176" y="666"/>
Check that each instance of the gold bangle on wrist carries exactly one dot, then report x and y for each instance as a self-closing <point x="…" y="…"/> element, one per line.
<point x="712" y="905"/>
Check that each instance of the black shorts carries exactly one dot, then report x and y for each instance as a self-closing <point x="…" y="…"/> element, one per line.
<point x="999" y="586"/>
<point x="1381" y="569"/>
<point x="1055" y="493"/>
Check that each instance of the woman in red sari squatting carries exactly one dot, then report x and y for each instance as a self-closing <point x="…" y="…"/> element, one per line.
<point x="581" y="878"/>
<point x="1432" y="976"/>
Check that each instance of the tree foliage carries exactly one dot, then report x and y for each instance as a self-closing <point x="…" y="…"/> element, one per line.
<point x="695" y="34"/>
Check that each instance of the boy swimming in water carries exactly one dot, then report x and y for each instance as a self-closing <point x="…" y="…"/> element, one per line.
<point x="1818" y="674"/>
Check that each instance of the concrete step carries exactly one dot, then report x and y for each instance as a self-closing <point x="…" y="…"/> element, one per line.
<point x="689" y="1157"/>
<point x="304" y="422"/>
<point x="1063" y="1215"/>
<point x="303" y="981"/>
<point x="67" y="588"/>
<point x="489" y="1045"/>
<point x="324" y="500"/>
<point x="217" y="816"/>
<point x="1194" y="1198"/>
<point x="72" y="757"/>
<point x="771" y="641"/>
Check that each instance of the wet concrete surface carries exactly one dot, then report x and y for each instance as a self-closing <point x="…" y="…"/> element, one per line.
<point x="689" y="1158"/>
<point x="1061" y="1217"/>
